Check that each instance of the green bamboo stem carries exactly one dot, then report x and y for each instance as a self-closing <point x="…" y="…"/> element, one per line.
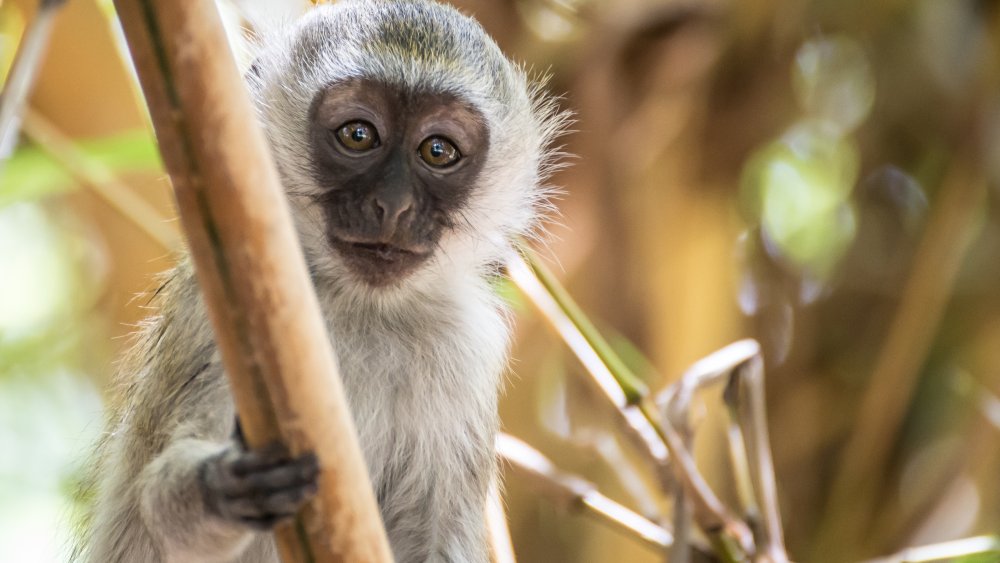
<point x="633" y="387"/>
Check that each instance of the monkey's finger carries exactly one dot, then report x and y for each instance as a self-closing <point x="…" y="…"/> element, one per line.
<point x="259" y="459"/>
<point x="284" y="503"/>
<point x="288" y="501"/>
<point x="297" y="473"/>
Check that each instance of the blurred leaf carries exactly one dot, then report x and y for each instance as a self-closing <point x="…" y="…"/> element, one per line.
<point x="31" y="174"/>
<point x="833" y="82"/>
<point x="799" y="188"/>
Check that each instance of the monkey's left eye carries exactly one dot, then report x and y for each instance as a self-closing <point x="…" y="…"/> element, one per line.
<point x="439" y="152"/>
<point x="358" y="136"/>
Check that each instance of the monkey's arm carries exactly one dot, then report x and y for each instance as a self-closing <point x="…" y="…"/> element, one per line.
<point x="202" y="499"/>
<point x="174" y="480"/>
<point x="174" y="508"/>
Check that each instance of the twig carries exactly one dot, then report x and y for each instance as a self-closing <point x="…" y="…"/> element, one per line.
<point x="946" y="551"/>
<point x="98" y="178"/>
<point x="501" y="546"/>
<point x="272" y="339"/>
<point x="576" y="494"/>
<point x="20" y="81"/>
<point x="676" y="404"/>
<point x="637" y="427"/>
<point x="731" y="537"/>
<point x="745" y="398"/>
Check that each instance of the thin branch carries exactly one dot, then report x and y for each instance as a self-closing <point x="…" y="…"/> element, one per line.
<point x="732" y="537"/>
<point x="21" y="80"/>
<point x="637" y="427"/>
<point x="745" y="398"/>
<point x="946" y="551"/>
<point x="501" y="546"/>
<point x="575" y="494"/>
<point x="98" y="178"/>
<point x="676" y="403"/>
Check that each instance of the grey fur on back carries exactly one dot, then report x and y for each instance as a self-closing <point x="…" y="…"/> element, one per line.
<point x="421" y="362"/>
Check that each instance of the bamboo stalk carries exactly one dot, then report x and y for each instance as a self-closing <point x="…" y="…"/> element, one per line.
<point x="263" y="307"/>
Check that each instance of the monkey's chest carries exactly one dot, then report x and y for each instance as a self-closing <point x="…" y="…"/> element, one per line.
<point x="413" y="424"/>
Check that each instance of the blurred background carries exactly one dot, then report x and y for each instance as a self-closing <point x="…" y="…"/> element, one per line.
<point x="821" y="175"/>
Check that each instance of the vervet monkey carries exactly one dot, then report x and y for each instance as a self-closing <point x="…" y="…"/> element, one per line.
<point x="413" y="153"/>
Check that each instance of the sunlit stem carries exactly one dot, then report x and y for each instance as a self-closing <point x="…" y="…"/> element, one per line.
<point x="630" y="400"/>
<point x="946" y="551"/>
<point x="633" y="387"/>
<point x="709" y="512"/>
<point x="574" y="493"/>
<point x="30" y="54"/>
<point x="741" y="469"/>
<point x="676" y="404"/>
<point x="745" y="399"/>
<point x="637" y="427"/>
<point x="501" y="546"/>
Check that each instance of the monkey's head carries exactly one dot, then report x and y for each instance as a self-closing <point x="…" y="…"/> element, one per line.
<point x="410" y="146"/>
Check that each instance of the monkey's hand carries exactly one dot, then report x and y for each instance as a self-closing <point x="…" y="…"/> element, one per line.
<point x="258" y="487"/>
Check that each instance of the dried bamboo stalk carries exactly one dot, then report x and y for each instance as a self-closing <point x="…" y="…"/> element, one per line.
<point x="263" y="307"/>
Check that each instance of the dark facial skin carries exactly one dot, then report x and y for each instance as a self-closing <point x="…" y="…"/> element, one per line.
<point x="397" y="167"/>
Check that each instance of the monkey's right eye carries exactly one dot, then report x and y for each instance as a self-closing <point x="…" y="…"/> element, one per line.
<point x="358" y="136"/>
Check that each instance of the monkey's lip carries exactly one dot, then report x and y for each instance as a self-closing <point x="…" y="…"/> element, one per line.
<point x="382" y="251"/>
<point x="379" y="263"/>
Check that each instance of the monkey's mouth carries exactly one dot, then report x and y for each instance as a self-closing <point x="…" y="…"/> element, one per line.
<point x="379" y="263"/>
<point x="381" y="251"/>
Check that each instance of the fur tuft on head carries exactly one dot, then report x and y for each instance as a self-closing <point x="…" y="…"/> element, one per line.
<point x="427" y="47"/>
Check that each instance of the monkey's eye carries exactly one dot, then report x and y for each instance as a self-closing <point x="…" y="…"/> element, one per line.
<point x="439" y="152"/>
<point x="358" y="136"/>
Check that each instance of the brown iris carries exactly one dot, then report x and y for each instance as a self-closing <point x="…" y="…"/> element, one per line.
<point x="358" y="136"/>
<point x="439" y="152"/>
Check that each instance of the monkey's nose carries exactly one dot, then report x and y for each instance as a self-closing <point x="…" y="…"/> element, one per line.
<point x="390" y="209"/>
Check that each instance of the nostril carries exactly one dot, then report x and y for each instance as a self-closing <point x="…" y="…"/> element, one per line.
<point x="379" y="208"/>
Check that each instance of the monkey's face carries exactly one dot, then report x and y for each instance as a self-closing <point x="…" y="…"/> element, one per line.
<point x="396" y="169"/>
<point x="413" y="152"/>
